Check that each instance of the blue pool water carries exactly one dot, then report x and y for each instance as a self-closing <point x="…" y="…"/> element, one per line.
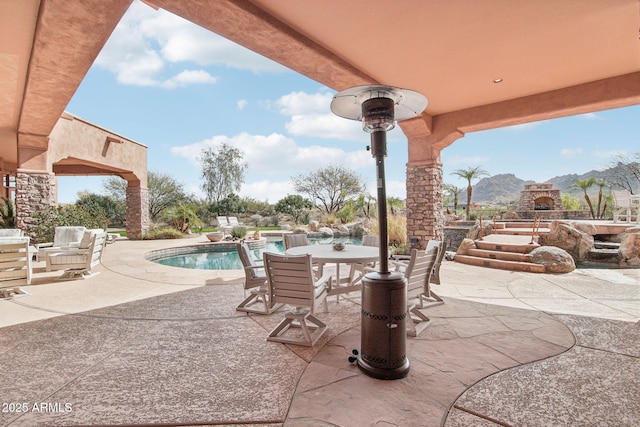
<point x="220" y="258"/>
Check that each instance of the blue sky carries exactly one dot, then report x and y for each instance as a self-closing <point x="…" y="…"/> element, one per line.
<point x="178" y="89"/>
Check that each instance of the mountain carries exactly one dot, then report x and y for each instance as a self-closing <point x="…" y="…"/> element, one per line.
<point x="504" y="188"/>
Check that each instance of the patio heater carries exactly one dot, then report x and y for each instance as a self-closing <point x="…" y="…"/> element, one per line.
<point x="382" y="352"/>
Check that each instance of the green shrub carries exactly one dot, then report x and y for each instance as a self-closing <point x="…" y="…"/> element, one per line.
<point x="162" y="233"/>
<point x="44" y="222"/>
<point x="238" y="232"/>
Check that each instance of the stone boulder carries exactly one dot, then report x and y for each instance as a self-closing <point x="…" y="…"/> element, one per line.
<point x="343" y="230"/>
<point x="511" y="215"/>
<point x="555" y="260"/>
<point x="474" y="231"/>
<point x="325" y="232"/>
<point x="314" y="225"/>
<point x="565" y="236"/>
<point x="465" y="245"/>
<point x="630" y="247"/>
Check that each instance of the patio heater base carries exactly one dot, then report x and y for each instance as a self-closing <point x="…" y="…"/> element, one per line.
<point x="384" y="328"/>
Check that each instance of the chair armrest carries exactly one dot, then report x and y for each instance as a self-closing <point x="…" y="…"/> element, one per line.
<point x="400" y="265"/>
<point x="44" y="245"/>
<point x="326" y="277"/>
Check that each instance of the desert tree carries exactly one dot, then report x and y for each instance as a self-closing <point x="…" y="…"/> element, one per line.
<point x="331" y="186"/>
<point x="222" y="171"/>
<point x="470" y="174"/>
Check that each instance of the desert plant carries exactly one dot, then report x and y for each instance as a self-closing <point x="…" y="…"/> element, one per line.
<point x="7" y="213"/>
<point x="162" y="233"/>
<point x="44" y="222"/>
<point x="238" y="232"/>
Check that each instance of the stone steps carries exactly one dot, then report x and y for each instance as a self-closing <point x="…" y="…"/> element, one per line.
<point x="507" y="249"/>
<point x="501" y="264"/>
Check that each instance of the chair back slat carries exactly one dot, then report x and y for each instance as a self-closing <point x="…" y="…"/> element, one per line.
<point x="290" y="279"/>
<point x="419" y="270"/>
<point x="371" y="240"/>
<point x="294" y="240"/>
<point x="253" y="276"/>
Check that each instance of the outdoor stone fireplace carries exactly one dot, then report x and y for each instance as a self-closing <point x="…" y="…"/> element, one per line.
<point x="539" y="197"/>
<point x="542" y="201"/>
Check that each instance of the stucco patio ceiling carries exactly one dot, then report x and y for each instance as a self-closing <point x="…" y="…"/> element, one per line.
<point x="553" y="57"/>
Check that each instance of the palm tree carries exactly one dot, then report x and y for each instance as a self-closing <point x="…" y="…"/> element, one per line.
<point x="470" y="174"/>
<point x="584" y="185"/>
<point x="454" y="192"/>
<point x="7" y="213"/>
<point x="601" y="183"/>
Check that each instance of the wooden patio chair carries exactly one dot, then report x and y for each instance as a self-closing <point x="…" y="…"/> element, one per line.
<point x="295" y="239"/>
<point x="15" y="265"/>
<point x="78" y="263"/>
<point x="418" y="272"/>
<point x="291" y="281"/>
<point x="255" y="281"/>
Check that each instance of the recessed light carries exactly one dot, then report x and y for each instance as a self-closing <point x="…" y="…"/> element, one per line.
<point x="498" y="80"/>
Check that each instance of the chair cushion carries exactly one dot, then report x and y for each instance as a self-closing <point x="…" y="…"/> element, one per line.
<point x="66" y="235"/>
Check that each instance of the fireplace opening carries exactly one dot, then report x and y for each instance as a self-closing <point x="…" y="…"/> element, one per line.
<point x="543" y="204"/>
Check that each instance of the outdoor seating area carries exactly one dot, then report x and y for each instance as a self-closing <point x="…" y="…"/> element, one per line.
<point x="627" y="206"/>
<point x="147" y="344"/>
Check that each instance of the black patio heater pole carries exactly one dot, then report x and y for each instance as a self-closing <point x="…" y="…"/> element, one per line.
<point x="384" y="294"/>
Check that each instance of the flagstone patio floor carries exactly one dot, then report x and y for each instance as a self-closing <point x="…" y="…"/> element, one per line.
<point x="146" y="344"/>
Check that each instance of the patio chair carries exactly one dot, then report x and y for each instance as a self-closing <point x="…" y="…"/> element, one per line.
<point x="361" y="269"/>
<point x="418" y="273"/>
<point x="63" y="237"/>
<point x="233" y="221"/>
<point x="223" y="224"/>
<point x="255" y="281"/>
<point x="295" y="239"/>
<point x="15" y="264"/>
<point x="291" y="281"/>
<point x="78" y="262"/>
<point x="11" y="232"/>
<point x="624" y="205"/>
<point x="435" y="276"/>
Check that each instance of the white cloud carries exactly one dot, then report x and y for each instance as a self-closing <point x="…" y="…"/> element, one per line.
<point x="275" y="153"/>
<point x="241" y="104"/>
<point x="270" y="191"/>
<point x="590" y="116"/>
<point x="570" y="153"/>
<point x="186" y="78"/>
<point x="146" y="39"/>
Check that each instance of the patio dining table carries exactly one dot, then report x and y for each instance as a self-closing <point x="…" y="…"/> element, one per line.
<point x="351" y="254"/>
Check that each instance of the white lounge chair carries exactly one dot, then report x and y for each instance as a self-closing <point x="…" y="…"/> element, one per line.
<point x="78" y="262"/>
<point x="627" y="206"/>
<point x="15" y="265"/>
<point x="63" y="237"/>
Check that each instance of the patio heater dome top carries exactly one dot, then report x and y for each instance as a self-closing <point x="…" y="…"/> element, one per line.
<point x="353" y="103"/>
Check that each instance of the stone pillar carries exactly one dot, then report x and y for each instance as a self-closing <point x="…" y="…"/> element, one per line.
<point x="137" y="212"/>
<point x="427" y="139"/>
<point x="35" y="192"/>
<point x="425" y="216"/>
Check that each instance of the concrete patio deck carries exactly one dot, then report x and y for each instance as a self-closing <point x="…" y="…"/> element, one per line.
<point x="146" y="344"/>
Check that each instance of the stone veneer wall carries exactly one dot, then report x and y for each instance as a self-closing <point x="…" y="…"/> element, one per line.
<point x="425" y="217"/>
<point x="34" y="192"/>
<point x="137" y="212"/>
<point x="532" y="192"/>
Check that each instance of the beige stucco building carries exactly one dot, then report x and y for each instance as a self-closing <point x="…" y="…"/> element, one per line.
<point x="482" y="65"/>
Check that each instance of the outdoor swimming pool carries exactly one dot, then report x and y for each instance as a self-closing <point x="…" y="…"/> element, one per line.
<point x="225" y="257"/>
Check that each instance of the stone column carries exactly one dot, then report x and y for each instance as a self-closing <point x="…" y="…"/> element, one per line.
<point x="425" y="216"/>
<point x="35" y="192"/>
<point x="137" y="212"/>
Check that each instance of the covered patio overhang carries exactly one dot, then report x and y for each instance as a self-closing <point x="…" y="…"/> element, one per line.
<point x="481" y="65"/>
